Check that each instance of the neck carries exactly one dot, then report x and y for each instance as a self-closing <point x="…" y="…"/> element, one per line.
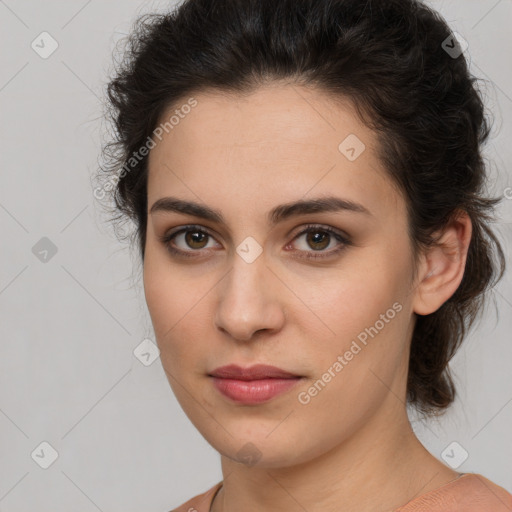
<point x="376" y="470"/>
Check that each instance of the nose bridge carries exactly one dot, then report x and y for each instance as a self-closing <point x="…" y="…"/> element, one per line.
<point x="247" y="303"/>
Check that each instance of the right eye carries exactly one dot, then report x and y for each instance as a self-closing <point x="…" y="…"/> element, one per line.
<point x="193" y="237"/>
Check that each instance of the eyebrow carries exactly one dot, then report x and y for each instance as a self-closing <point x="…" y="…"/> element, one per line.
<point x="276" y="215"/>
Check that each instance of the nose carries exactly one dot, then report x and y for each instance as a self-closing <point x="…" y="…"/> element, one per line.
<point x="249" y="300"/>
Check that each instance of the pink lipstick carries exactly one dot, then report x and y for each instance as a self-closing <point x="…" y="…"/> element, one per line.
<point x="254" y="385"/>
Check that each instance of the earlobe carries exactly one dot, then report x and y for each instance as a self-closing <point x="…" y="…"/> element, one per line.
<point x="443" y="265"/>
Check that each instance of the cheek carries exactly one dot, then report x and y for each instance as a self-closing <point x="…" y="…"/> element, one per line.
<point x="363" y="304"/>
<point x="354" y="297"/>
<point x="356" y="370"/>
<point x="173" y="304"/>
<point x="160" y="294"/>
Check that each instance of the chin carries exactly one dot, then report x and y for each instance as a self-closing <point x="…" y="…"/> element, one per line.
<point x="262" y="447"/>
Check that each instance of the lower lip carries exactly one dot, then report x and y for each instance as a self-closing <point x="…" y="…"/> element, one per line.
<point x="253" y="391"/>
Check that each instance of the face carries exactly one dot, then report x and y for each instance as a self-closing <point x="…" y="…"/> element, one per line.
<point x="323" y="294"/>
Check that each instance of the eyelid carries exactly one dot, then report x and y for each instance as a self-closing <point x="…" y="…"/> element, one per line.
<point x="343" y="238"/>
<point x="304" y="228"/>
<point x="344" y="241"/>
<point x="167" y="237"/>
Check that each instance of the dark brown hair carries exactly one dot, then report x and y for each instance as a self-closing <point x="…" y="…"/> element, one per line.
<point x="397" y="62"/>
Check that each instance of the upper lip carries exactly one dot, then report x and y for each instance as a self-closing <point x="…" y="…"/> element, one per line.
<point x="256" y="372"/>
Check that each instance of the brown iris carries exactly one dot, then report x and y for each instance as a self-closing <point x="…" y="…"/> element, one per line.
<point x="315" y="238"/>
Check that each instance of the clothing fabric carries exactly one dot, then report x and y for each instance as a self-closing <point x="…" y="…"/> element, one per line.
<point x="470" y="492"/>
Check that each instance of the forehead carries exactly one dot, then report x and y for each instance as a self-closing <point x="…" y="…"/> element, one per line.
<point x="281" y="142"/>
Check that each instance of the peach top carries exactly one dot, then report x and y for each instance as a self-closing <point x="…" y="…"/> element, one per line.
<point x="470" y="492"/>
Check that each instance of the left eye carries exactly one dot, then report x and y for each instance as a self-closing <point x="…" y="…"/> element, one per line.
<point x="318" y="238"/>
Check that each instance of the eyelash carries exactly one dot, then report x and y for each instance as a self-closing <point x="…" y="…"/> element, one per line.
<point x="345" y="242"/>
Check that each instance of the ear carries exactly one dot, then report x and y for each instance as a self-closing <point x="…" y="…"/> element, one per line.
<point x="442" y="265"/>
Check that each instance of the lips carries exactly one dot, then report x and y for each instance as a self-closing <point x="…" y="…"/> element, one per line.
<point x="253" y="385"/>
<point x="256" y="372"/>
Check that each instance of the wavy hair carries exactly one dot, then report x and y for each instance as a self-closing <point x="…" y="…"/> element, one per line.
<point x="396" y="61"/>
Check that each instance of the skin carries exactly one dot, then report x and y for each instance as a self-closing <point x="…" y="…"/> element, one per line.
<point x="351" y="447"/>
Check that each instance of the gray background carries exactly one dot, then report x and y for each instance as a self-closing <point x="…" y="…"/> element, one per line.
<point x="69" y="325"/>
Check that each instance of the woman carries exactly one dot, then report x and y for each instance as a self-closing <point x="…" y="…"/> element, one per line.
<point x="306" y="181"/>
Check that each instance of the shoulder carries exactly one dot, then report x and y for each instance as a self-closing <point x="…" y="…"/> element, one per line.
<point x="485" y="494"/>
<point x="199" y="503"/>
<point x="469" y="493"/>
